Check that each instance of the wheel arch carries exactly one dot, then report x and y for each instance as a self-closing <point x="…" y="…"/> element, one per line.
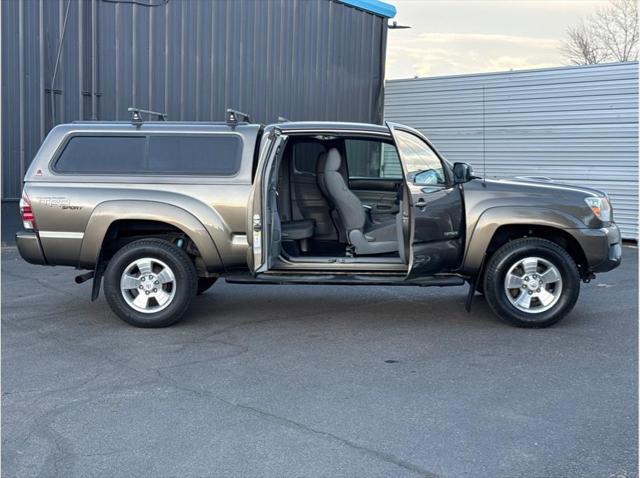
<point x="113" y="219"/>
<point x="498" y="226"/>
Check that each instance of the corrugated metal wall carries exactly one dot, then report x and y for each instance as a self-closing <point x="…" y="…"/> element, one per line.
<point x="577" y="125"/>
<point x="300" y="59"/>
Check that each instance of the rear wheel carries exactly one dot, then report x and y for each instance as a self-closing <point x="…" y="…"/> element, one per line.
<point x="531" y="282"/>
<point x="150" y="283"/>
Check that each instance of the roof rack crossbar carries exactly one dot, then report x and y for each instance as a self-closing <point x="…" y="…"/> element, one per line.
<point x="235" y="117"/>
<point x="136" y="117"/>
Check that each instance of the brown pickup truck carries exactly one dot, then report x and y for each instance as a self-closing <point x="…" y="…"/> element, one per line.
<point x="157" y="211"/>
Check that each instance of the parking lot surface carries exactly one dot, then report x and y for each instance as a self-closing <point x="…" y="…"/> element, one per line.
<point x="278" y="381"/>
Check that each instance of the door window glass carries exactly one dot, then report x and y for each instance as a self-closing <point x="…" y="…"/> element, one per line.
<point x="423" y="166"/>
<point x="372" y="159"/>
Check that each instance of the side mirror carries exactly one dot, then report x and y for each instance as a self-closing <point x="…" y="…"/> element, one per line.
<point x="462" y="173"/>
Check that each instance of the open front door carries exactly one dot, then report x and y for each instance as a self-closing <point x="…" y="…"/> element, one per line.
<point x="263" y="220"/>
<point x="435" y="205"/>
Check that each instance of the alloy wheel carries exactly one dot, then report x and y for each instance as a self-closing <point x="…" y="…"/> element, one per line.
<point x="533" y="285"/>
<point x="148" y="285"/>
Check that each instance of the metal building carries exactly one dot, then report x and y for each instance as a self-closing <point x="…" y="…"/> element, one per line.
<point x="573" y="124"/>
<point x="66" y="60"/>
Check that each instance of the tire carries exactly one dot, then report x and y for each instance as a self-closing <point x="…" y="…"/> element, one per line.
<point x="545" y="280"/>
<point x="204" y="283"/>
<point x="166" y="275"/>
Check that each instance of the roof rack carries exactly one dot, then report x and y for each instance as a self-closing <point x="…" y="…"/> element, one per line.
<point x="136" y="119"/>
<point x="234" y="117"/>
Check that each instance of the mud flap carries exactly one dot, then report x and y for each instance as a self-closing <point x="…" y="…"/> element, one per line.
<point x="473" y="285"/>
<point x="97" y="278"/>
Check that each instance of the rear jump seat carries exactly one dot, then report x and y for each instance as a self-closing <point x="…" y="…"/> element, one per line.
<point x="299" y="230"/>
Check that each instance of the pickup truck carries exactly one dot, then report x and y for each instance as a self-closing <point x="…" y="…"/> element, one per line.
<point x="157" y="211"/>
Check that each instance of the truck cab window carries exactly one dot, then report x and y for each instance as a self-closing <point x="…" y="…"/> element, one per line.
<point x="372" y="159"/>
<point x="305" y="155"/>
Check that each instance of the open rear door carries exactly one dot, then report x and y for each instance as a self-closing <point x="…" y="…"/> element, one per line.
<point x="435" y="205"/>
<point x="263" y="220"/>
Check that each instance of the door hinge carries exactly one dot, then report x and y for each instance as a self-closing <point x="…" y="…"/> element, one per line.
<point x="257" y="222"/>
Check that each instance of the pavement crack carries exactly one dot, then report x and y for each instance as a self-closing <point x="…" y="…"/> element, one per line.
<point x="294" y="425"/>
<point x="298" y="317"/>
<point x="55" y="390"/>
<point x="241" y="350"/>
<point x="381" y="455"/>
<point x="45" y="284"/>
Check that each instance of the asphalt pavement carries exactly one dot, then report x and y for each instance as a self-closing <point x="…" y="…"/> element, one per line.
<point x="316" y="381"/>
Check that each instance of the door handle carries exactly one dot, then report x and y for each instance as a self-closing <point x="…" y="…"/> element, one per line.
<point x="421" y="203"/>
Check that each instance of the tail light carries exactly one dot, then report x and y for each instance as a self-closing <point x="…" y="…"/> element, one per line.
<point x="28" y="219"/>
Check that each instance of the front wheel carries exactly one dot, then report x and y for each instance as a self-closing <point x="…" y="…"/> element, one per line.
<point x="150" y="283"/>
<point x="531" y="282"/>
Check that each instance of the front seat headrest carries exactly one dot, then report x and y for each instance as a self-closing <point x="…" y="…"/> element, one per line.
<point x="333" y="160"/>
<point x="321" y="162"/>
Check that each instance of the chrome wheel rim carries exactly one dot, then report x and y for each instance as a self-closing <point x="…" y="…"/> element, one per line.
<point x="533" y="285"/>
<point x="148" y="285"/>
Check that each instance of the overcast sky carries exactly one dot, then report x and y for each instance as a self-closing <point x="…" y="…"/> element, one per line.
<point x="449" y="37"/>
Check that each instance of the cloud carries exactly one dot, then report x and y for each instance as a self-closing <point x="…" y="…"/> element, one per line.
<point x="574" y="5"/>
<point x="488" y="38"/>
<point x="433" y="53"/>
<point x="551" y="5"/>
<point x="468" y="36"/>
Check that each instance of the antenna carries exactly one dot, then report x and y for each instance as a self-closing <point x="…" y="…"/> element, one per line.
<point x="484" y="142"/>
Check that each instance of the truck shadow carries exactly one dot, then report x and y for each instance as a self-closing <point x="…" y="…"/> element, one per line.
<point x="226" y="302"/>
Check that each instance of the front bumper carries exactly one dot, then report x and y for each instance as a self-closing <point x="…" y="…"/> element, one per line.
<point x="30" y="248"/>
<point x="602" y="247"/>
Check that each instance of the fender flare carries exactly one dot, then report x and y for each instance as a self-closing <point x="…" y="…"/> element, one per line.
<point x="491" y="219"/>
<point x="110" y="211"/>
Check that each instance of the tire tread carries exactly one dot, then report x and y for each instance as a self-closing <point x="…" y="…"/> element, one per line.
<point x="493" y="269"/>
<point x="164" y="318"/>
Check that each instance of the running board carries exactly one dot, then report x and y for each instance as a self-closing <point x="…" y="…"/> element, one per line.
<point x="342" y="279"/>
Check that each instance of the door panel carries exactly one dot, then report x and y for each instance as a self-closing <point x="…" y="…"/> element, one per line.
<point x="380" y="194"/>
<point x="436" y="213"/>
<point x="383" y="203"/>
<point x="436" y="229"/>
<point x="263" y="222"/>
<point x="436" y="205"/>
<point x="270" y="213"/>
<point x="375" y="184"/>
